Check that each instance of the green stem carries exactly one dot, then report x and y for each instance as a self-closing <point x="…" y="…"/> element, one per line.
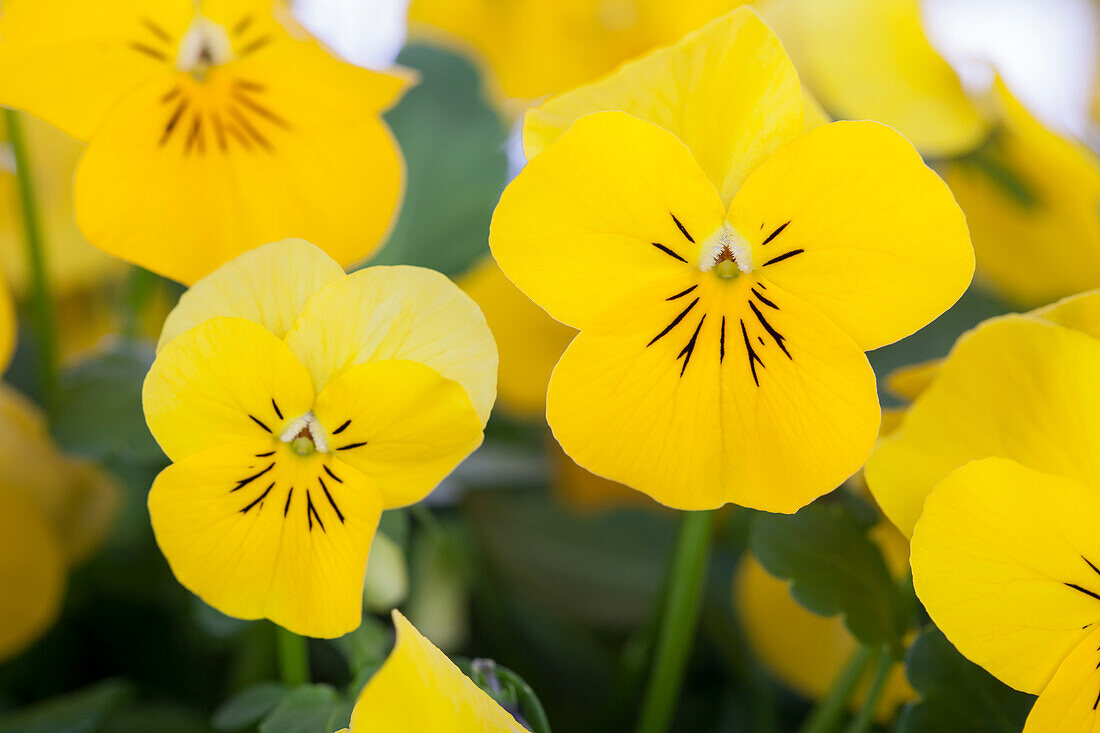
<point x="680" y="617"/>
<point x="529" y="703"/>
<point x="41" y="297"/>
<point x="293" y="654"/>
<point x="827" y="715"/>
<point x="866" y="716"/>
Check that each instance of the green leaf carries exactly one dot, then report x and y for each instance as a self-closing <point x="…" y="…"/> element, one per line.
<point x="307" y="709"/>
<point x="834" y="567"/>
<point x="956" y="694"/>
<point x="249" y="706"/>
<point x="453" y="142"/>
<point x="78" y="712"/>
<point x="366" y="647"/>
<point x="99" y="413"/>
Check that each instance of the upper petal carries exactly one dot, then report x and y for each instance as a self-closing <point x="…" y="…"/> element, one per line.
<point x="613" y="205"/>
<point x="728" y="90"/>
<point x="1005" y="561"/>
<point x="398" y="313"/>
<point x="850" y="219"/>
<point x="420" y="689"/>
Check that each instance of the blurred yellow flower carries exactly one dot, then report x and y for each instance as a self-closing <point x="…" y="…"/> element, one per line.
<point x="721" y="271"/>
<point x="419" y="689"/>
<point x="297" y="403"/>
<point x="212" y="128"/>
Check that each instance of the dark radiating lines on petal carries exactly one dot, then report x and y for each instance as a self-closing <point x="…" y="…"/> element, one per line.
<point x="1094" y="568"/>
<point x="249" y="479"/>
<point x="149" y="51"/>
<point x="784" y="256"/>
<point x="259" y="109"/>
<point x="286" y="507"/>
<point x="219" y="131"/>
<point x="776" y="233"/>
<point x="251" y="86"/>
<point x="259" y="499"/>
<point x="254" y="46"/>
<point x="722" y="342"/>
<point x="779" y="338"/>
<point x="173" y="121"/>
<point x="1086" y="591"/>
<point x="172" y="94"/>
<point x="195" y="138"/>
<point x="339" y="514"/>
<point x="682" y="293"/>
<point x="277" y="410"/>
<point x="333" y="476"/>
<point x="668" y="252"/>
<point x="688" y="350"/>
<point x="764" y="300"/>
<point x="350" y="446"/>
<point x="243" y="24"/>
<point x="681" y="228"/>
<point x="342" y="428"/>
<point x="251" y="131"/>
<point x="311" y="513"/>
<point x="754" y="358"/>
<point x="156" y="30"/>
<point x="675" y="321"/>
<point x="259" y="422"/>
<point x="265" y="455"/>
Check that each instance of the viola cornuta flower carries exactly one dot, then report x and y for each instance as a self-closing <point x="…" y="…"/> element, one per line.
<point x="297" y="403"/>
<point x="726" y="270"/>
<point x="213" y="127"/>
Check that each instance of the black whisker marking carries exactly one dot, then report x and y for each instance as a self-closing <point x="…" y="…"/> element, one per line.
<point x="690" y="348"/>
<point x="259" y="499"/>
<point x="156" y="30"/>
<point x="243" y="24"/>
<point x="195" y="136"/>
<point x="349" y="446"/>
<point x="239" y="137"/>
<point x="265" y="455"/>
<point x="672" y="325"/>
<point x="754" y="358"/>
<point x="311" y="513"/>
<point x="149" y="51"/>
<point x="1083" y="590"/>
<point x="668" y="251"/>
<point x="251" y="86"/>
<point x="762" y="286"/>
<point x="760" y="339"/>
<point x="681" y="228"/>
<point x="249" y="129"/>
<point x="342" y="428"/>
<point x="334" y="477"/>
<point x="286" y="508"/>
<point x="219" y="129"/>
<point x="253" y="47"/>
<point x="277" y="410"/>
<point x="246" y="481"/>
<point x="176" y="91"/>
<point x="722" y="342"/>
<point x="682" y="293"/>
<point x="779" y="338"/>
<point x="1097" y="694"/>
<point x="764" y="300"/>
<point x="261" y="110"/>
<point x="1094" y="568"/>
<point x="776" y="233"/>
<point x="260" y="423"/>
<point x="784" y="256"/>
<point x="173" y="121"/>
<point x="328" y="496"/>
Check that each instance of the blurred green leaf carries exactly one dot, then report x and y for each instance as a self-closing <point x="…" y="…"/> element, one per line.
<point x="307" y="709"/>
<point x="99" y="413"/>
<point x="956" y="694"/>
<point x="366" y="647"/>
<point x="834" y="567"/>
<point x="162" y="718"/>
<point x="79" y="712"/>
<point x="453" y="142"/>
<point x="249" y="706"/>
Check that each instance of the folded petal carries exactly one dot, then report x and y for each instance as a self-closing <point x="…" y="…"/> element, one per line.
<point x="420" y="689"/>
<point x="258" y="531"/>
<point x="616" y="203"/>
<point x="699" y="396"/>
<point x="1017" y="387"/>
<point x="1007" y="562"/>
<point x="1070" y="701"/>
<point x="269" y="285"/>
<point x="401" y="424"/>
<point x="226" y="380"/>
<point x="850" y="219"/>
<point x="398" y="313"/>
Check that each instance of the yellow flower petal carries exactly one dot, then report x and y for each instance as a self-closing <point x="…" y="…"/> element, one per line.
<point x="1080" y="312"/>
<point x="615" y="204"/>
<point x="419" y="689"/>
<point x="728" y="90"/>
<point x="698" y="397"/>
<point x="1002" y="559"/>
<point x="1069" y="702"/>
<point x="398" y="313"/>
<point x="909" y="382"/>
<point x="32" y="573"/>
<point x="7" y="326"/>
<point x="223" y="381"/>
<point x="401" y="424"/>
<point x="530" y="341"/>
<point x="869" y="235"/>
<point x="92" y="499"/>
<point x="257" y="531"/>
<point x="269" y="285"/>
<point x="1017" y="387"/>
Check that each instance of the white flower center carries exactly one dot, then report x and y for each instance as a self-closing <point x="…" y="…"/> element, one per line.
<point x="205" y="44"/>
<point x="726" y="245"/>
<point x="305" y="435"/>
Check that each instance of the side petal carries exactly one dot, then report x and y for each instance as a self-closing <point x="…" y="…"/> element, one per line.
<point x="269" y="285"/>
<point x="226" y="380"/>
<point x="257" y="534"/>
<point x="728" y="90"/>
<point x="850" y="219"/>
<point x="700" y="401"/>
<point x="420" y="689"/>
<point x="1070" y="701"/>
<point x="7" y="326"/>
<point x="398" y="313"/>
<point x="616" y="203"/>
<point x="401" y="424"/>
<point x="1003" y="559"/>
<point x="1016" y="387"/>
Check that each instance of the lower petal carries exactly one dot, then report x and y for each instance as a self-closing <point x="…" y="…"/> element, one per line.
<point x="1071" y="701"/>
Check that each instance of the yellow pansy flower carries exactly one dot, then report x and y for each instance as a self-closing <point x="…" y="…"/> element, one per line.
<point x="419" y="689"/>
<point x="721" y="267"/>
<point x="212" y="128"/>
<point x="297" y="403"/>
<point x="1015" y="387"/>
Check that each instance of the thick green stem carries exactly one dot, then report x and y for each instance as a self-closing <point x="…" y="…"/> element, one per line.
<point x="866" y="716"/>
<point x="293" y="654"/>
<point x="41" y="297"/>
<point x="826" y="717"/>
<point x="680" y="618"/>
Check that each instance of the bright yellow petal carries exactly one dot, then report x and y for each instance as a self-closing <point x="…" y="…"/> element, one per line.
<point x="530" y="341"/>
<point x="32" y="573"/>
<point x="398" y="313"/>
<point x="1080" y="312"/>
<point x="1003" y="561"/>
<point x="401" y="424"/>
<point x="908" y="382"/>
<point x="70" y="62"/>
<point x="269" y="285"/>
<point x="850" y="219"/>
<point x="419" y="689"/>
<point x="7" y="325"/>
<point x="708" y="395"/>
<point x="728" y="90"/>
<point x="1016" y="387"/>
<point x="615" y="204"/>
<point x="1069" y="702"/>
<point x="225" y="380"/>
<point x="258" y="531"/>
